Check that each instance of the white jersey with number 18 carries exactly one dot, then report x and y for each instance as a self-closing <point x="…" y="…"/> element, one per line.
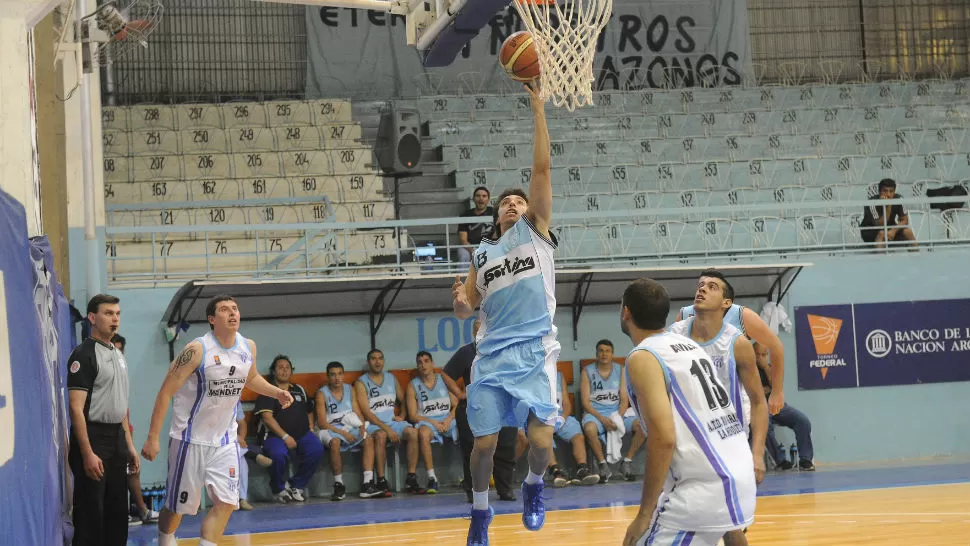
<point x="711" y="485"/>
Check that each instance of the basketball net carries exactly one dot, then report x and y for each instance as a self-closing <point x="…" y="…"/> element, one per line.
<point x="565" y="39"/>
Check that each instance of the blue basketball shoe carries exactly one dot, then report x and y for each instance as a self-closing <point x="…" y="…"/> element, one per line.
<point x="478" y="529"/>
<point x="533" y="507"/>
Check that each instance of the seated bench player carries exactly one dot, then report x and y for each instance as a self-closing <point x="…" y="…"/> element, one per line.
<point x="378" y="394"/>
<point x="603" y="395"/>
<point x="570" y="432"/>
<point x="432" y="409"/>
<point x="342" y="429"/>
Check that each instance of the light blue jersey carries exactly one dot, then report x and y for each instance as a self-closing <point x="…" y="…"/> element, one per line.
<point x="732" y="317"/>
<point x="381" y="398"/>
<point x="604" y="394"/>
<point x="517" y="348"/>
<point x="516" y="279"/>
<point x="433" y="403"/>
<point x="338" y="409"/>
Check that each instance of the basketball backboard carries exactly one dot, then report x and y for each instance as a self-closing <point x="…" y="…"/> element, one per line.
<point x="439" y="29"/>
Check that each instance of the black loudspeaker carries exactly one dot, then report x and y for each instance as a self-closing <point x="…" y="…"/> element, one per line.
<point x="399" y="140"/>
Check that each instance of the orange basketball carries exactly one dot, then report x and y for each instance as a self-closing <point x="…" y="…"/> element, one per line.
<point x="519" y="57"/>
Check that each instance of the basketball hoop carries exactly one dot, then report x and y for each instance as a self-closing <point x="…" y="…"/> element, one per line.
<point x="565" y="38"/>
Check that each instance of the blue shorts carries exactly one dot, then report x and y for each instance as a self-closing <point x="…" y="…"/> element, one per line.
<point x="569" y="428"/>
<point x="627" y="424"/>
<point x="326" y="436"/>
<point x="510" y="384"/>
<point x="437" y="437"/>
<point x="397" y="426"/>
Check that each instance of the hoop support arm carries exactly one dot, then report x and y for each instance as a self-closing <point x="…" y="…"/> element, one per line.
<point x="399" y="7"/>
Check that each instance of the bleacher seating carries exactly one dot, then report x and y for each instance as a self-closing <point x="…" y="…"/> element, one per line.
<point x="689" y="148"/>
<point x="238" y="164"/>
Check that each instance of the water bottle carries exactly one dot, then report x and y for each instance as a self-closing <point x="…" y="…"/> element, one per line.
<point x="793" y="453"/>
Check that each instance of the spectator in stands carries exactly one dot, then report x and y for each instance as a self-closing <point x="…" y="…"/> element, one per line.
<point x="602" y="392"/>
<point x="432" y="408"/>
<point x="282" y="430"/>
<point x="241" y="431"/>
<point x="144" y="515"/>
<point x="383" y="394"/>
<point x="342" y="428"/>
<point x="886" y="222"/>
<point x="460" y="367"/>
<point x="470" y="235"/>
<point x="787" y="417"/>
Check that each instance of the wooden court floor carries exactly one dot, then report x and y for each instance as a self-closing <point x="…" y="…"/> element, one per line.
<point x="933" y="515"/>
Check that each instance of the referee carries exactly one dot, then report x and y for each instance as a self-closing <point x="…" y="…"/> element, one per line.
<point x="101" y="447"/>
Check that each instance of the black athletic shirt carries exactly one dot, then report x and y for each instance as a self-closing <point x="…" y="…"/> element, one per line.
<point x="460" y="364"/>
<point x="293" y="420"/>
<point x="100" y="369"/>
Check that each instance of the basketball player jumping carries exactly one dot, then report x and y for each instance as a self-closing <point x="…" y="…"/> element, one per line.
<point x="202" y="449"/>
<point x="513" y="279"/>
<point x="699" y="481"/>
<point x="733" y="362"/>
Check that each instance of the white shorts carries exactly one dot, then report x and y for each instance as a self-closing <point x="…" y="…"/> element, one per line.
<point x="662" y="536"/>
<point x="190" y="466"/>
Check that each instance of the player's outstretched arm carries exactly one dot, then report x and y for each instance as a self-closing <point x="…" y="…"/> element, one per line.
<point x="540" y="187"/>
<point x="465" y="296"/>
<point x="181" y="369"/>
<point x="412" y="406"/>
<point x="761" y="332"/>
<point x="647" y="380"/>
<point x="748" y="374"/>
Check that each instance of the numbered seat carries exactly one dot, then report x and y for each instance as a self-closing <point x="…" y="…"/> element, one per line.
<point x="331" y="111"/>
<point x="151" y="116"/>
<point x="578" y="242"/>
<point x="298" y="138"/>
<point x="220" y="215"/>
<point x="957" y="224"/>
<point x="163" y="191"/>
<point x="722" y="235"/>
<point x="817" y="231"/>
<point x="771" y="233"/>
<point x="116" y="170"/>
<point x="626" y="241"/>
<point x="356" y="188"/>
<point x="287" y="214"/>
<point x="288" y="113"/>
<point x="257" y="164"/>
<point x="306" y="163"/>
<point x="371" y="212"/>
<point x="340" y="135"/>
<point x="114" y="118"/>
<point x="124" y="257"/>
<point x="257" y="188"/>
<point x="212" y="189"/>
<point x="154" y="142"/>
<point x="114" y="142"/>
<point x="201" y="140"/>
<point x="352" y="160"/>
<point x="250" y="138"/>
<point x="156" y="167"/>
<point x="198" y="116"/>
<point x="208" y="166"/>
<point x="122" y="193"/>
<point x="243" y="114"/>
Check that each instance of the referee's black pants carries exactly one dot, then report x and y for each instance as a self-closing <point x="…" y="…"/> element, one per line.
<point x="503" y="463"/>
<point x="101" y="506"/>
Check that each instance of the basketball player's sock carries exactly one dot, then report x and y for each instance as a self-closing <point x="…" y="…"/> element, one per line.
<point x="627" y="460"/>
<point x="532" y="478"/>
<point x="480" y="500"/>
<point x="368" y="476"/>
<point x="339" y="478"/>
<point x="431" y="475"/>
<point x="204" y="542"/>
<point x="166" y="539"/>
<point x="602" y="463"/>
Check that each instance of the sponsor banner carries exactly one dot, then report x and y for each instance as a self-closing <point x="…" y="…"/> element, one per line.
<point x="876" y="344"/>
<point x="351" y="53"/>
